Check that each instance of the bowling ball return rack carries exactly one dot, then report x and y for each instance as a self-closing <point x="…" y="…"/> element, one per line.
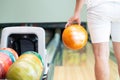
<point x="24" y="38"/>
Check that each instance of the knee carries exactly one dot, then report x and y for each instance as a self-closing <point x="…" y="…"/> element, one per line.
<point x="101" y="51"/>
<point x="101" y="57"/>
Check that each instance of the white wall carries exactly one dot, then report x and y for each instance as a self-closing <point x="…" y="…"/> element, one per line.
<point x="16" y="11"/>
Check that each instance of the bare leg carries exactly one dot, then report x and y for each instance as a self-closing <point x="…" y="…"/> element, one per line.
<point x="116" y="47"/>
<point x="101" y="52"/>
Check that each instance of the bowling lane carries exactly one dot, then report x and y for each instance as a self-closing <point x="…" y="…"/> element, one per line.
<point x="78" y="65"/>
<point x="66" y="64"/>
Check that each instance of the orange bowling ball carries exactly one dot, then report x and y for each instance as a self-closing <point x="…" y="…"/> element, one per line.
<point x="74" y="37"/>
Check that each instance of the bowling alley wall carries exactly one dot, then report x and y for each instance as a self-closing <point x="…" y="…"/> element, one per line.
<point x="49" y="14"/>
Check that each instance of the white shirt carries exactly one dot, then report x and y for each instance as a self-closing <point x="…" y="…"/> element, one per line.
<point x="93" y="3"/>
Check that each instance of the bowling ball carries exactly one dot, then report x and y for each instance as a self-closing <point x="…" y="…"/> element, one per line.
<point x="2" y="72"/>
<point x="22" y="71"/>
<point x="34" y="61"/>
<point x="74" y="37"/>
<point x="27" y="67"/>
<point x="36" y="54"/>
<point x="6" y="62"/>
<point x="38" y="61"/>
<point x="12" y="51"/>
<point x="9" y="54"/>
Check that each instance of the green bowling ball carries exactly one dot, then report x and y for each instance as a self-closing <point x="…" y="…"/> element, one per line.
<point x="22" y="71"/>
<point x="27" y="67"/>
<point x="37" y="54"/>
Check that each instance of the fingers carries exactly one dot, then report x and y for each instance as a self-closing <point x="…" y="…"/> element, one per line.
<point x="73" y="20"/>
<point x="70" y="21"/>
<point x="78" y="22"/>
<point x="67" y="25"/>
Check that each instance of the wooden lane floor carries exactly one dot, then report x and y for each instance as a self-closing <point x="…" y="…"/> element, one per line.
<point x="79" y="65"/>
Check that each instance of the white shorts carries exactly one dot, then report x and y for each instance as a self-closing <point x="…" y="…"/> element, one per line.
<point x="103" y="21"/>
